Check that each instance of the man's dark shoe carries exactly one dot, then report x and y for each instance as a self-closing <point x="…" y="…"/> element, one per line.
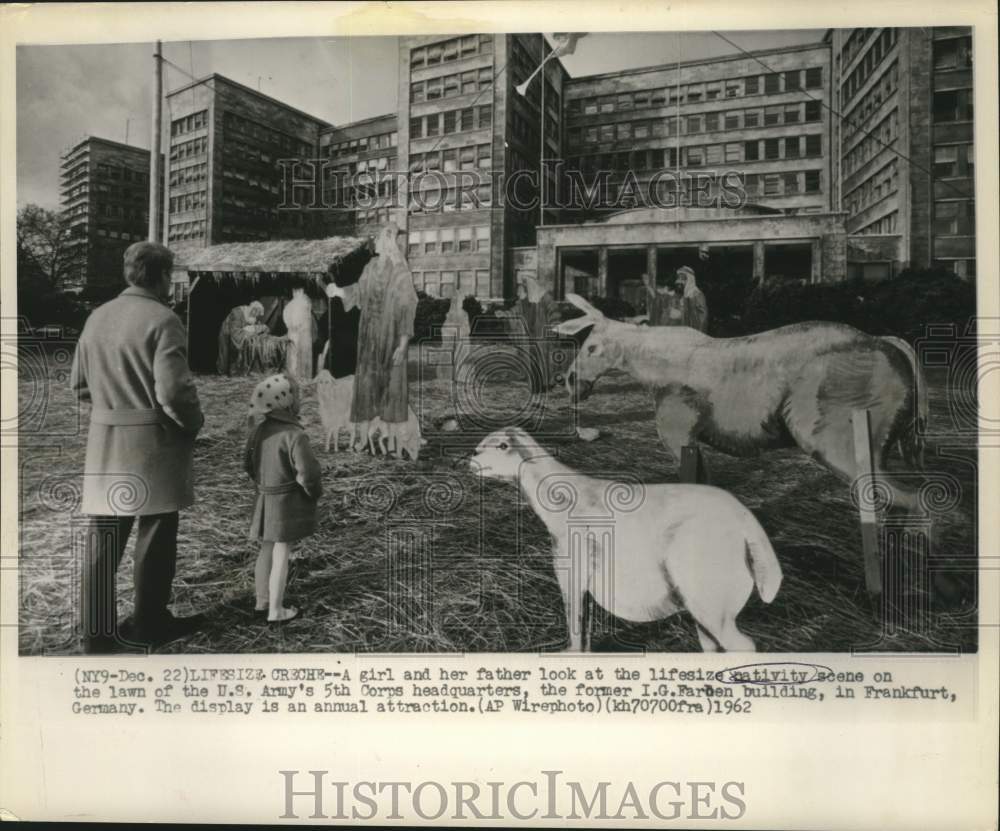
<point x="173" y="628"/>
<point x="102" y="645"/>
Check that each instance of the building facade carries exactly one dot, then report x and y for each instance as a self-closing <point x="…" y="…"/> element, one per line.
<point x="358" y="184"/>
<point x="464" y="132"/>
<point x="867" y="130"/>
<point x="764" y="116"/>
<point x="105" y="200"/>
<point x="905" y="147"/>
<point x="224" y="167"/>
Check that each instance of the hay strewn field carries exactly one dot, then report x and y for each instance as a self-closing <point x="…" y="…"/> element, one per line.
<point x="424" y="557"/>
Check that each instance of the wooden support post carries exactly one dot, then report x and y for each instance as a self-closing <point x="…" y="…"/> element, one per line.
<point x="693" y="466"/>
<point x="861" y="422"/>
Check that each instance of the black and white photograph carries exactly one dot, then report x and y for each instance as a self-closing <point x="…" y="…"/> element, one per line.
<point x="416" y="415"/>
<point x="658" y="341"/>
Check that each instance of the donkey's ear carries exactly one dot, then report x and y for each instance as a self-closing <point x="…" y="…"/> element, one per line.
<point x="571" y="327"/>
<point x="584" y="306"/>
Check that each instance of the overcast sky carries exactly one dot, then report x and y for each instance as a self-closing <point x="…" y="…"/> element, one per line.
<point x="67" y="92"/>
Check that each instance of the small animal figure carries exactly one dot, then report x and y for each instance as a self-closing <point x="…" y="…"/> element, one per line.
<point x="659" y="549"/>
<point x="398" y="437"/>
<point x="335" y="396"/>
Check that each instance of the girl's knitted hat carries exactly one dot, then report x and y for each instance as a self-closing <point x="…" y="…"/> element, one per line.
<point x="277" y="392"/>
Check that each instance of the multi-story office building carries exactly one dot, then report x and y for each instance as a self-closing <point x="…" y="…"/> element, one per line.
<point x="359" y="183"/>
<point x="224" y="172"/>
<point x="464" y="130"/>
<point x="905" y="147"/>
<point x="765" y="116"/>
<point x="105" y="198"/>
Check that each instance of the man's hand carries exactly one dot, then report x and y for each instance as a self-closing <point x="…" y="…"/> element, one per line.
<point x="399" y="355"/>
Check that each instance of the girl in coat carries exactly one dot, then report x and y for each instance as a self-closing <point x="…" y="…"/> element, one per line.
<point x="281" y="463"/>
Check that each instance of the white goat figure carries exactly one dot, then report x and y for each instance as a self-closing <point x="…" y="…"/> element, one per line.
<point x="643" y="552"/>
<point x="396" y="438"/>
<point x="335" y="396"/>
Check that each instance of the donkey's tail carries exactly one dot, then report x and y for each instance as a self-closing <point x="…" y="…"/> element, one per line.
<point x="761" y="559"/>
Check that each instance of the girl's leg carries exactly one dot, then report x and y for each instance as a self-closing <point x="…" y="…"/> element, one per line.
<point x="262" y="574"/>
<point x="279" y="577"/>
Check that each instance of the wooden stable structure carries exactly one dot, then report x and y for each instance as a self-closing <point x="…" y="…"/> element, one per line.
<point x="234" y="274"/>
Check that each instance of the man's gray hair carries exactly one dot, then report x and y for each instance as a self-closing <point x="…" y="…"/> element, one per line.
<point x="146" y="263"/>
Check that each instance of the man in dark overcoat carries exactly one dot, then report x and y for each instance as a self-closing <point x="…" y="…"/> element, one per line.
<point x="131" y="365"/>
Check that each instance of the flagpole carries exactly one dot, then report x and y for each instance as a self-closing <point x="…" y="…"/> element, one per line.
<point x="541" y="147"/>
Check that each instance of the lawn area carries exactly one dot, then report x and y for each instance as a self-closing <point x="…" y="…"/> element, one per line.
<point x="423" y="556"/>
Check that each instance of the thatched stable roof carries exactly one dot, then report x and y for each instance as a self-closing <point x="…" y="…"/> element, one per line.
<point x="274" y="258"/>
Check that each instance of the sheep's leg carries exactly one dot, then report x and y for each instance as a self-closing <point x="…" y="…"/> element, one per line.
<point x="708" y="643"/>
<point x="733" y="640"/>
<point x="568" y="576"/>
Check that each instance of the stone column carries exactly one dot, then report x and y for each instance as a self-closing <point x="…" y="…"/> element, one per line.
<point x="758" y="260"/>
<point x="651" y="262"/>
<point x="602" y="271"/>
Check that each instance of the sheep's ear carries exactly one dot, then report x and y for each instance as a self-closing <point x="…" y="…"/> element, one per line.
<point x="585" y="307"/>
<point x="571" y="327"/>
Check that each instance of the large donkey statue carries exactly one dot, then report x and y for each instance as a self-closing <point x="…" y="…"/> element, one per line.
<point x="793" y="386"/>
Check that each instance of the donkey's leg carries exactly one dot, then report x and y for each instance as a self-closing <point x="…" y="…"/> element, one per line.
<point x="676" y="422"/>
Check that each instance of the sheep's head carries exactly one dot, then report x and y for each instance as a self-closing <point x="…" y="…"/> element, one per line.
<point x="600" y="351"/>
<point x="500" y="454"/>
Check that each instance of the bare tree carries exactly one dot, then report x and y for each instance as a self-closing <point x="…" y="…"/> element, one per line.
<point x="46" y="258"/>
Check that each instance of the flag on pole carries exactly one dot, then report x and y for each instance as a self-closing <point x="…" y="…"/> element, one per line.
<point x="564" y="43"/>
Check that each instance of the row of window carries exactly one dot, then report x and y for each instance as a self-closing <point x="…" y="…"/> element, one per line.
<point x="121" y="212"/>
<point x="882" y="183"/>
<point x="952" y="161"/>
<point x="382" y="141"/>
<point x="373" y="216"/>
<point x="955" y="53"/>
<point x="448" y="240"/>
<point x="782" y="184"/>
<point x="189" y="123"/>
<point x="955" y="218"/>
<point x="189" y="149"/>
<point x="287" y="144"/>
<point x="451" y="86"/>
<point x="457" y="158"/>
<point x="452" y="121"/>
<point x="953" y="105"/>
<point x="881" y="91"/>
<point x="887" y="224"/>
<point x="250" y="179"/>
<point x="127" y="174"/>
<point x="772" y="83"/>
<point x="866" y="66"/>
<point x="189" y="201"/>
<point x="450" y="50"/>
<point x="123" y="235"/>
<point x="791" y="147"/>
<point x="852" y="46"/>
<point x="451" y="199"/>
<point x="186" y="230"/>
<point x="187" y="175"/>
<point x="879" y="138"/>
<point x="810" y="111"/>
<point x="445" y="283"/>
<point x="122" y="193"/>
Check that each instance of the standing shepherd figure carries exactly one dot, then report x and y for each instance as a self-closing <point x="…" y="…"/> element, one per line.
<point x="131" y="364"/>
<point x="455" y="336"/>
<point x="301" y="325"/>
<point x="683" y="305"/>
<point x="540" y="315"/>
<point x="388" y="304"/>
